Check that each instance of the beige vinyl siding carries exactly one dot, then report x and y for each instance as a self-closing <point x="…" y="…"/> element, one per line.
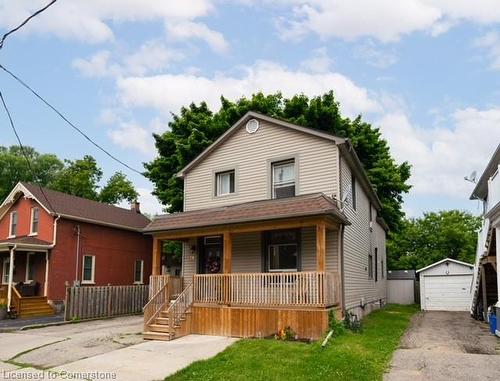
<point x="358" y="243"/>
<point x="247" y="253"/>
<point x="250" y="156"/>
<point x="308" y="248"/>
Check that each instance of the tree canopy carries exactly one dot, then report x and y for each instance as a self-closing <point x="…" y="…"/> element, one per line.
<point x="423" y="241"/>
<point x="196" y="127"/>
<point x="81" y="177"/>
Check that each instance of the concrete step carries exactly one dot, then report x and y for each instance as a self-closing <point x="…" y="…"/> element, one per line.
<point x="150" y="335"/>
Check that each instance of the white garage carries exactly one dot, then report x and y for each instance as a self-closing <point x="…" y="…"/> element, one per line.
<point x="446" y="286"/>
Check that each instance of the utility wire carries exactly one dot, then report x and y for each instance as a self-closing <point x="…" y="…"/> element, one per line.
<point x="68" y="121"/>
<point x="23" y="151"/>
<point x="24" y="22"/>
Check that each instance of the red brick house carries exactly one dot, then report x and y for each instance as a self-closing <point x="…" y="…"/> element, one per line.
<point x="49" y="240"/>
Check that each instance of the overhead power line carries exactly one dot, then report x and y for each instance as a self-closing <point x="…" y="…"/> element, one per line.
<point x="63" y="117"/>
<point x="23" y="151"/>
<point x="24" y="22"/>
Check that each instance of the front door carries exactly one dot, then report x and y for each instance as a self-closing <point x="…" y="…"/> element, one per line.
<point x="210" y="255"/>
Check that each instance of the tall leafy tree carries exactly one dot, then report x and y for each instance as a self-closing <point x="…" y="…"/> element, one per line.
<point x="435" y="236"/>
<point x="196" y="127"/>
<point x="81" y="177"/>
<point x="14" y="168"/>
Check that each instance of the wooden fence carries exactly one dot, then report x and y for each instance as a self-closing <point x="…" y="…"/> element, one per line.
<point x="104" y="301"/>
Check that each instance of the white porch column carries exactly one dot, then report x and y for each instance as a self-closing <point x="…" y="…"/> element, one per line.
<point x="497" y="232"/>
<point x="46" y="283"/>
<point x="11" y="275"/>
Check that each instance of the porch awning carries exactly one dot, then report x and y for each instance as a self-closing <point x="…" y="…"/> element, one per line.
<point x="316" y="204"/>
<point x="26" y="242"/>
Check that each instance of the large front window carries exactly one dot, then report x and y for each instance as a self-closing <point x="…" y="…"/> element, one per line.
<point x="283" y="179"/>
<point x="283" y="250"/>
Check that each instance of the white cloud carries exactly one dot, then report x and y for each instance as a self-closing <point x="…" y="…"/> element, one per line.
<point x="151" y="57"/>
<point x="375" y="56"/>
<point x="319" y="62"/>
<point x="188" y="29"/>
<point x="384" y="20"/>
<point x="89" y="20"/>
<point x="441" y="157"/>
<point x="169" y="92"/>
<point x="490" y="43"/>
<point x="130" y="135"/>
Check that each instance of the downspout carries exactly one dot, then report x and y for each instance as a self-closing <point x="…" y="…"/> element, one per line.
<point x="342" y="273"/>
<point x="78" y="232"/>
<point x="11" y="274"/>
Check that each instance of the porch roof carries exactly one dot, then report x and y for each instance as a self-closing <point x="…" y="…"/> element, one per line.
<point x="25" y="242"/>
<point x="316" y="204"/>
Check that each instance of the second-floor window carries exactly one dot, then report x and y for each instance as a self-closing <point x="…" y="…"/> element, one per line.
<point x="35" y="215"/>
<point x="13" y="224"/>
<point x="283" y="181"/>
<point x="353" y="192"/>
<point x="224" y="183"/>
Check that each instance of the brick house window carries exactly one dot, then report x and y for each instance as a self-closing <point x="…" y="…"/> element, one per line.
<point x="35" y="216"/>
<point x="139" y="271"/>
<point x="13" y="224"/>
<point x="88" y="270"/>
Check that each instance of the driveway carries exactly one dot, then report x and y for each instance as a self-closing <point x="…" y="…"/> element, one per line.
<point x="88" y="350"/>
<point x="446" y="346"/>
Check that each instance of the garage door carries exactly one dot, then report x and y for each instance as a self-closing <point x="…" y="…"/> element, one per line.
<point x="447" y="293"/>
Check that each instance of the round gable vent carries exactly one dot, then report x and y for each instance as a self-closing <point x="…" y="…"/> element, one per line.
<point x="252" y="126"/>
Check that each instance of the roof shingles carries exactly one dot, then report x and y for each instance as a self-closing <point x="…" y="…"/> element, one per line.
<point x="299" y="206"/>
<point x="83" y="209"/>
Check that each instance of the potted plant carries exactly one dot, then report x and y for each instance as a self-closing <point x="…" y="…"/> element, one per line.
<point x="3" y="311"/>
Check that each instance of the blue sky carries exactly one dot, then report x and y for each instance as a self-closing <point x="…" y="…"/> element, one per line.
<point x="425" y="71"/>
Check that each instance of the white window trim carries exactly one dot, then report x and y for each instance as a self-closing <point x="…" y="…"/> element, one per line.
<point x="92" y="281"/>
<point x="32" y="233"/>
<point x="142" y="271"/>
<point x="278" y="164"/>
<point x="218" y="184"/>
<point x="5" y="267"/>
<point x="28" y="265"/>
<point x="10" y="224"/>
<point x="269" y="258"/>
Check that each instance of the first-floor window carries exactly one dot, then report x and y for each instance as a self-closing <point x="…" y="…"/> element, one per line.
<point x="139" y="271"/>
<point x="370" y="266"/>
<point x="376" y="264"/>
<point x="283" y="250"/>
<point x="88" y="269"/>
<point x="382" y="269"/>
<point x="5" y="272"/>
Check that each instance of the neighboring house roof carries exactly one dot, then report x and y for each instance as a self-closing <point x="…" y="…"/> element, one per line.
<point x="25" y="241"/>
<point x="401" y="274"/>
<point x="300" y="206"/>
<point x="79" y="209"/>
<point x="445" y="260"/>
<point x="345" y="147"/>
<point x="481" y="190"/>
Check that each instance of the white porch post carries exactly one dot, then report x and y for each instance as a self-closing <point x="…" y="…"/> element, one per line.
<point x="46" y="283"/>
<point x="11" y="275"/>
<point x="497" y="232"/>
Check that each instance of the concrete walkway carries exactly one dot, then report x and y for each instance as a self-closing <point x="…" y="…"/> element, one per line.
<point x="152" y="360"/>
<point x="112" y="347"/>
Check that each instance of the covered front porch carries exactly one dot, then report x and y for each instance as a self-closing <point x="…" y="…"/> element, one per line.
<point x="264" y="275"/>
<point x="24" y="264"/>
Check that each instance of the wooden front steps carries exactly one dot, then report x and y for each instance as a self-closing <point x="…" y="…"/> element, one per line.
<point x="33" y="306"/>
<point x="161" y="329"/>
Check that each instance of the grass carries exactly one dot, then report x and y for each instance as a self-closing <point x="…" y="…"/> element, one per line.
<point x="352" y="356"/>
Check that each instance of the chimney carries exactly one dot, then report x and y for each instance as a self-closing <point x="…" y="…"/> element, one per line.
<point x="135" y="206"/>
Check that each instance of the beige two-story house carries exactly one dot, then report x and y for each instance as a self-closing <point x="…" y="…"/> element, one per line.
<point x="280" y="226"/>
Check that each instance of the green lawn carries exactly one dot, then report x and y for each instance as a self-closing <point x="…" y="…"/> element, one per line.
<point x="352" y="356"/>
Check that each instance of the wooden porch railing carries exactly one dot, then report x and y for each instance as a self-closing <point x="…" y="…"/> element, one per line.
<point x="156" y="283"/>
<point x="161" y="288"/>
<point x="178" y="309"/>
<point x="3" y="294"/>
<point x="298" y="289"/>
<point x="16" y="300"/>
